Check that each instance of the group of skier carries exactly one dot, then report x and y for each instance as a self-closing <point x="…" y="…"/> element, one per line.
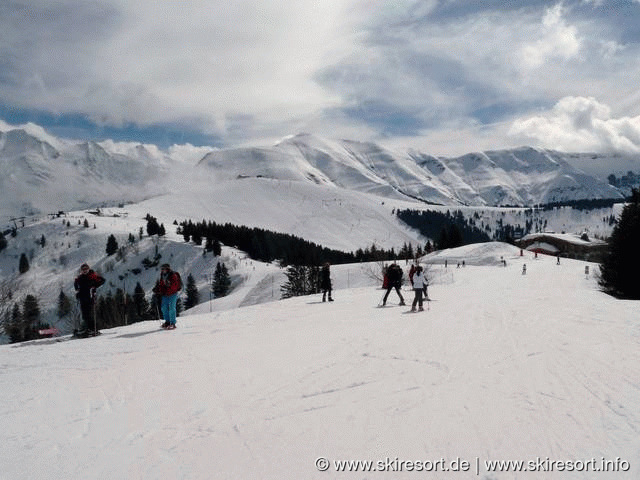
<point x="167" y="287"/>
<point x="169" y="284"/>
<point x="392" y="279"/>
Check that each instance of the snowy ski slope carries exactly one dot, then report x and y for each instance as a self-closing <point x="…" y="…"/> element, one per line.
<point x="539" y="368"/>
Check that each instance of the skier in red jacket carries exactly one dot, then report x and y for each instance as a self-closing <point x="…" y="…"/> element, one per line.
<point x="168" y="286"/>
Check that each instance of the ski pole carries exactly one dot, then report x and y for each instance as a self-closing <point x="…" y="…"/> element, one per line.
<point x="95" y="320"/>
<point x="76" y="316"/>
<point x="382" y="299"/>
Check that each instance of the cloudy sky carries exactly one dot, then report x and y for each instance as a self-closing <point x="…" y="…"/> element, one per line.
<point x="444" y="76"/>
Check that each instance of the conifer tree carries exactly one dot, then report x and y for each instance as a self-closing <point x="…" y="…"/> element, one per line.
<point x="217" y="248"/>
<point x="64" y="305"/>
<point x="208" y="244"/>
<point x="428" y="247"/>
<point x="294" y="286"/>
<point x="112" y="245"/>
<point x="5" y="321"/>
<point x="455" y="236"/>
<point x="14" y="328"/>
<point x="23" y="266"/>
<point x="193" y="297"/>
<point x="153" y="228"/>
<point x="221" y="280"/>
<point x="301" y="280"/>
<point x="5" y="306"/>
<point x="107" y="312"/>
<point x="120" y="301"/>
<point x="443" y="239"/>
<point x="140" y="302"/>
<point x="30" y="317"/>
<point x="131" y="312"/>
<point x="155" y="312"/>
<point x="621" y="265"/>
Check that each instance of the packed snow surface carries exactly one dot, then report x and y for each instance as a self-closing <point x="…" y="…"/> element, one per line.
<point x="500" y="366"/>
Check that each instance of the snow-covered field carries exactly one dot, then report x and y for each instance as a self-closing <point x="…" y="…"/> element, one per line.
<point x="540" y="368"/>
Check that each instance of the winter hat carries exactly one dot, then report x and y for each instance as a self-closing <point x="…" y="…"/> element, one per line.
<point x="83" y="266"/>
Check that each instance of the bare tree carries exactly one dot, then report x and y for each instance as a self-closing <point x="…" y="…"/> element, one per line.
<point x="375" y="270"/>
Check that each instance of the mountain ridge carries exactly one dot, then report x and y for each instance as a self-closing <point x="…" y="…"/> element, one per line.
<point x="39" y="172"/>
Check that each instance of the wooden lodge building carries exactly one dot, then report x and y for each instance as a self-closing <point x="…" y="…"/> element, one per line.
<point x="567" y="245"/>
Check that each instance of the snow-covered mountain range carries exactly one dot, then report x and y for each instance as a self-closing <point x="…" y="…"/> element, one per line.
<point x="523" y="176"/>
<point x="40" y="173"/>
<point x="44" y="174"/>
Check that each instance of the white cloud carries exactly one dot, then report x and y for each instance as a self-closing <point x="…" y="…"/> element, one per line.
<point x="609" y="49"/>
<point x="580" y="124"/>
<point x="559" y="41"/>
<point x="248" y="71"/>
<point x="205" y="61"/>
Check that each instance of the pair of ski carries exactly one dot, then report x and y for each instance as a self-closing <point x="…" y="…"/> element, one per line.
<point x="381" y="305"/>
<point x="415" y="311"/>
<point x="420" y="309"/>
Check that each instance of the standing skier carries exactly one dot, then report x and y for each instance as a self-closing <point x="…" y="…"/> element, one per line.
<point x="394" y="280"/>
<point x="325" y="282"/>
<point x="168" y="286"/>
<point x="418" y="289"/>
<point x="85" y="286"/>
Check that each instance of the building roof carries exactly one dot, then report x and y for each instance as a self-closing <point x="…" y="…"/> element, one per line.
<point x="572" y="238"/>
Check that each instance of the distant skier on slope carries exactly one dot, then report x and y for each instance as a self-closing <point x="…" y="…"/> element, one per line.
<point x="394" y="280"/>
<point x="168" y="286"/>
<point x="85" y="286"/>
<point x="325" y="282"/>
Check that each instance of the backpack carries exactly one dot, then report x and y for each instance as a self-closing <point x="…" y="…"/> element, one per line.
<point x="180" y="287"/>
<point x="395" y="274"/>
